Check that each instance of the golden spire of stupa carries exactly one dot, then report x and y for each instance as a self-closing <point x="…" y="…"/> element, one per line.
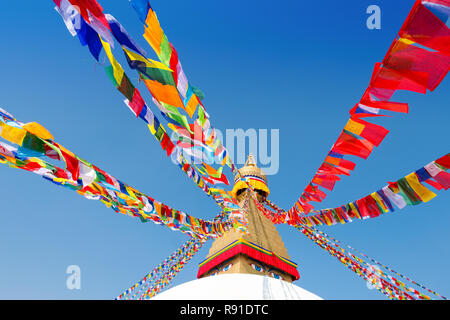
<point x="261" y="251"/>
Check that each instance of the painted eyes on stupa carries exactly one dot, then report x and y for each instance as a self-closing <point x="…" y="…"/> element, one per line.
<point x="263" y="270"/>
<point x="257" y="267"/>
<point x="276" y="276"/>
<point x="227" y="267"/>
<point x="214" y="272"/>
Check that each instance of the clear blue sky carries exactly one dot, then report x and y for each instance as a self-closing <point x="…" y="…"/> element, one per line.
<point x="296" y="66"/>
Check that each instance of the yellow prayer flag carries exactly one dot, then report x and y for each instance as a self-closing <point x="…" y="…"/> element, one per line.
<point x="12" y="134"/>
<point x="131" y="193"/>
<point x="424" y="193"/>
<point x="380" y="201"/>
<point x="148" y="62"/>
<point x="152" y="129"/>
<point x="354" y="127"/>
<point x="352" y="205"/>
<point x="38" y="130"/>
<point x="117" y="68"/>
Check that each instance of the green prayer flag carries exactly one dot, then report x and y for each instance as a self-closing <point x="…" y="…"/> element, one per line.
<point x="408" y="192"/>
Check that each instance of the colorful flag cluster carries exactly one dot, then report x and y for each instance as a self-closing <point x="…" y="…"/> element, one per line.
<point x="409" y="190"/>
<point x="377" y="263"/>
<point x="163" y="83"/>
<point x="383" y="281"/>
<point x="119" y="78"/>
<point x="418" y="59"/>
<point x="198" y="139"/>
<point x="152" y="283"/>
<point x="161" y="276"/>
<point x="35" y="143"/>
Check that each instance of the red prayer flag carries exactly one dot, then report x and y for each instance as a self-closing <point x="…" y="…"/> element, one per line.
<point x="435" y="184"/>
<point x="327" y="184"/>
<point x="385" y="105"/>
<point x="444" y="179"/>
<point x="83" y="6"/>
<point x="328" y="168"/>
<point x="444" y="161"/>
<point x="389" y="79"/>
<point x="173" y="63"/>
<point x="372" y="207"/>
<point x="348" y="144"/>
<point x="347" y="164"/>
<point x="423" y="27"/>
<point x="72" y="164"/>
<point x="137" y="103"/>
<point x="372" y="132"/>
<point x="331" y="177"/>
<point x="423" y="66"/>
<point x="315" y="191"/>
<point x="60" y="173"/>
<point x="362" y="208"/>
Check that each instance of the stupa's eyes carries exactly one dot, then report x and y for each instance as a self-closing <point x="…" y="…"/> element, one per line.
<point x="276" y="276"/>
<point x="214" y="273"/>
<point x="257" y="267"/>
<point x="227" y="267"/>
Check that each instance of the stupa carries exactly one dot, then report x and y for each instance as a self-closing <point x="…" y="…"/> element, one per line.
<point x="245" y="266"/>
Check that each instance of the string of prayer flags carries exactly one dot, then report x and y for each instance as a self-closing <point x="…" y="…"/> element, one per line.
<point x="164" y="276"/>
<point x="172" y="90"/>
<point x="384" y="281"/>
<point x="391" y="291"/>
<point x="427" y="25"/>
<point x="199" y="142"/>
<point x="418" y="59"/>
<point x="161" y="276"/>
<point x="156" y="280"/>
<point x="133" y="97"/>
<point x="92" y="182"/>
<point x="397" y="282"/>
<point x="157" y="78"/>
<point x="409" y="190"/>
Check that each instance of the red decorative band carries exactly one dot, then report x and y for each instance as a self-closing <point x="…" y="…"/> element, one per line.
<point x="267" y="258"/>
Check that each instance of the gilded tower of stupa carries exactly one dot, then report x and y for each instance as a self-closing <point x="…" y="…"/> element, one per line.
<point x="261" y="251"/>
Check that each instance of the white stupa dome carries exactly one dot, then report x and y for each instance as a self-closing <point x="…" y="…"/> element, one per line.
<point x="237" y="286"/>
